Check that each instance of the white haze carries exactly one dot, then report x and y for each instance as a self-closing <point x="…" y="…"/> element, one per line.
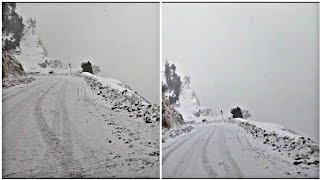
<point x="122" y="38"/>
<point x="263" y="56"/>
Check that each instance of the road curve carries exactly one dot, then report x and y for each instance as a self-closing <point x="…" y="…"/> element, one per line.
<point x="56" y="127"/>
<point x="221" y="150"/>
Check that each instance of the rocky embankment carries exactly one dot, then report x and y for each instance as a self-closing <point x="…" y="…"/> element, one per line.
<point x="297" y="149"/>
<point x="12" y="71"/>
<point x="126" y="99"/>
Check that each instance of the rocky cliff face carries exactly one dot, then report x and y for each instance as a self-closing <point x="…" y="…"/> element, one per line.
<point x="11" y="67"/>
<point x="172" y="121"/>
<point x="12" y="71"/>
<point x="170" y="116"/>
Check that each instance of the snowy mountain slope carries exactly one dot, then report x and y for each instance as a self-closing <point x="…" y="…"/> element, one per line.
<point x="188" y="104"/>
<point x="179" y="104"/>
<point x="32" y="51"/>
<point x="33" y="55"/>
<point x="120" y="96"/>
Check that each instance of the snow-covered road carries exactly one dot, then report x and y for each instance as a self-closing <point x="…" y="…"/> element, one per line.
<point x="56" y="127"/>
<point x="223" y="150"/>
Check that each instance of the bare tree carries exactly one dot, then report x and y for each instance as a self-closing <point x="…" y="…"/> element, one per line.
<point x="96" y="69"/>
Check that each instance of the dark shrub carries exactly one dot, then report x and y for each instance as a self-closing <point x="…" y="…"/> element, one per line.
<point x="236" y="112"/>
<point x="87" y="67"/>
<point x="246" y="114"/>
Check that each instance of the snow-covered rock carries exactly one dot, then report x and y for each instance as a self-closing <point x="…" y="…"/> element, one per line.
<point x="121" y="97"/>
<point x="173" y="132"/>
<point x="285" y="142"/>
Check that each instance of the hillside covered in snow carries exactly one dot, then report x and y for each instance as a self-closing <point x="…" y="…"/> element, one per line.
<point x="177" y="88"/>
<point x="23" y="52"/>
<point x="33" y="55"/>
<point x="180" y="104"/>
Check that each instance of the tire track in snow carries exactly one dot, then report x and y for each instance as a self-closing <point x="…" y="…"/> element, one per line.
<point x="67" y="132"/>
<point x="87" y="151"/>
<point x="235" y="171"/>
<point x="20" y="105"/>
<point x="14" y="119"/>
<point x="188" y="153"/>
<point x="89" y="158"/>
<point x="182" y="138"/>
<point x="56" y="123"/>
<point x="165" y="157"/>
<point x="57" y="148"/>
<point x="204" y="157"/>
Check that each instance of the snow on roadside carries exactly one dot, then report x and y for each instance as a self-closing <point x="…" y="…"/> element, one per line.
<point x="287" y="144"/>
<point x="6" y="83"/>
<point x="120" y="96"/>
<point x="174" y="132"/>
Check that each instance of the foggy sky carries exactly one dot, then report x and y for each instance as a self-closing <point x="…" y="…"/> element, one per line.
<point x="260" y="56"/>
<point x="122" y="38"/>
